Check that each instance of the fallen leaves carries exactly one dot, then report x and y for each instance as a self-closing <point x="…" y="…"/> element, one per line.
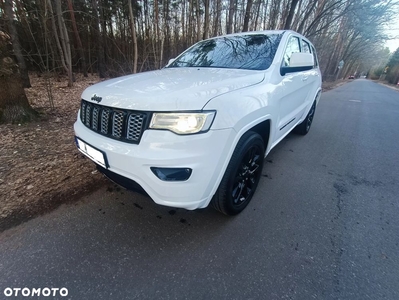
<point x="40" y="166"/>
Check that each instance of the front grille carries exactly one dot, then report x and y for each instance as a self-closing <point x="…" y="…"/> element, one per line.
<point x="123" y="125"/>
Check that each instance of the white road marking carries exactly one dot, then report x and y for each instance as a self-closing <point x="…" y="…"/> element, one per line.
<point x="355" y="101"/>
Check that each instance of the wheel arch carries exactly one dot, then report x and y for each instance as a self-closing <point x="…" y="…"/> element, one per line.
<point x="318" y="95"/>
<point x="316" y="99"/>
<point x="263" y="128"/>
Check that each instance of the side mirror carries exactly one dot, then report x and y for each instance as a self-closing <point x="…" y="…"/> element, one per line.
<point x="298" y="62"/>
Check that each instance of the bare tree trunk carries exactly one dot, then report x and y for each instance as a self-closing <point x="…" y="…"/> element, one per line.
<point x="231" y="16"/>
<point x="77" y="37"/>
<point x="16" y="45"/>
<point x="206" y="23"/>
<point x="283" y="13"/>
<point x="183" y="23"/>
<point x="157" y="61"/>
<point x="14" y="106"/>
<point x="133" y="28"/>
<point x="167" y="37"/>
<point x="104" y="39"/>
<point x="161" y="54"/>
<point x="197" y="12"/>
<point x="274" y="14"/>
<point x="217" y="18"/>
<point x="100" y="49"/>
<point x="257" y="9"/>
<point x="236" y="22"/>
<point x="57" y="39"/>
<point x="66" y="47"/>
<point x="265" y="6"/>
<point x="335" y="57"/>
<point x="247" y="15"/>
<point x="290" y="16"/>
<point x="310" y="8"/>
<point x="190" y="30"/>
<point x="323" y="12"/>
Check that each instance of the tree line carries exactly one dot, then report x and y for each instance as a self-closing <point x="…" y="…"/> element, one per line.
<point x="116" y="37"/>
<point x="128" y="36"/>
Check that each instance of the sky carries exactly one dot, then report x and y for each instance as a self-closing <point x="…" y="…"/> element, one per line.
<point x="393" y="32"/>
<point x="393" y="44"/>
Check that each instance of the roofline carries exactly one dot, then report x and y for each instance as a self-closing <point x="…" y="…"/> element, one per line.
<point x="254" y="32"/>
<point x="265" y="32"/>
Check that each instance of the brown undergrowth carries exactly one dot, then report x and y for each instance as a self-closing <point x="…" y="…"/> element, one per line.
<point x="40" y="167"/>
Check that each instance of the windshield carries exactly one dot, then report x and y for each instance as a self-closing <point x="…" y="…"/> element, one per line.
<point x="252" y="52"/>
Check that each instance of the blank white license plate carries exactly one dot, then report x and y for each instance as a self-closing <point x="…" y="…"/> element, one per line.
<point x="95" y="155"/>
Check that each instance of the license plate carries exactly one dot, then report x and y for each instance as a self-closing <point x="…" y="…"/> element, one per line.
<point x="94" y="154"/>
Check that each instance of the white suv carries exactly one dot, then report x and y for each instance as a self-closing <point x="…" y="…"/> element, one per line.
<point x="197" y="131"/>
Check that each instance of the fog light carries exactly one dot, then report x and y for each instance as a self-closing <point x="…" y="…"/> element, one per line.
<point x="172" y="174"/>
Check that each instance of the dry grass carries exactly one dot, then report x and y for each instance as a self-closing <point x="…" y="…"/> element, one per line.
<point x="329" y="85"/>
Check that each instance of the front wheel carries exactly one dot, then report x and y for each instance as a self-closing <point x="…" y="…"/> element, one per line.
<point x="304" y="127"/>
<point x="242" y="175"/>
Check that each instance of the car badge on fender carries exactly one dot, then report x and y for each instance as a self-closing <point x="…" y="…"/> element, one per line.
<point x="96" y="98"/>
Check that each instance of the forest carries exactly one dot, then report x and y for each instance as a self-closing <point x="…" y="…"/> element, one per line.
<point x="116" y="37"/>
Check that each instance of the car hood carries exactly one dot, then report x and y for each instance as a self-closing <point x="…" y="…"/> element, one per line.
<point x="170" y="89"/>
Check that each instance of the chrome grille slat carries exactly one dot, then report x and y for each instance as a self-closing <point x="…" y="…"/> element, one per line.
<point x="83" y="112"/>
<point x="94" y="124"/>
<point x="119" y="124"/>
<point x="134" y="124"/>
<point x="88" y="115"/>
<point x="105" y="120"/>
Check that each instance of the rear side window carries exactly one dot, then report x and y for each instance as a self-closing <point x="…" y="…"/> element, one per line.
<point x="292" y="47"/>
<point x="305" y="47"/>
<point x="316" y="63"/>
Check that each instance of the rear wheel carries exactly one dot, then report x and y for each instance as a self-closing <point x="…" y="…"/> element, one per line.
<point x="242" y="175"/>
<point x="304" y="127"/>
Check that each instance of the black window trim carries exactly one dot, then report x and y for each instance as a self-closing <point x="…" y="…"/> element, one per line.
<point x="309" y="44"/>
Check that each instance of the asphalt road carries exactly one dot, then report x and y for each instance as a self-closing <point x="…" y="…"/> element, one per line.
<point x="324" y="224"/>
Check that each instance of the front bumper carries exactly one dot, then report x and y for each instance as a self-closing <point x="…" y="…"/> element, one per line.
<point x="207" y="154"/>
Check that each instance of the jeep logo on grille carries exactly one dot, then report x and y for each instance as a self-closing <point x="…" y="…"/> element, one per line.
<point x="96" y="98"/>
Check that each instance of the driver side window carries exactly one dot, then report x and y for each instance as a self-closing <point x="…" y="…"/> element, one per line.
<point x="292" y="47"/>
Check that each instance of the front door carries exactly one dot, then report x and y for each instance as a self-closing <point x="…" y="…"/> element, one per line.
<point x="293" y="92"/>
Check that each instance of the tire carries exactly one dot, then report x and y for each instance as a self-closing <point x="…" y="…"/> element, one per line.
<point x="242" y="175"/>
<point x="304" y="127"/>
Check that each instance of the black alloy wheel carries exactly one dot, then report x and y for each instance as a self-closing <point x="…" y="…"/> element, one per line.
<point x="247" y="176"/>
<point x="242" y="175"/>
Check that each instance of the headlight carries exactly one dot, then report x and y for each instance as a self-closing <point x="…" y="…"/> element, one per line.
<point x="183" y="123"/>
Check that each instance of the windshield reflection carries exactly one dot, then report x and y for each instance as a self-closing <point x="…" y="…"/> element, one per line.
<point x="252" y="52"/>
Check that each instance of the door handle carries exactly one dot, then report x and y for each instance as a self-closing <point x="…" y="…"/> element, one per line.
<point x="304" y="78"/>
